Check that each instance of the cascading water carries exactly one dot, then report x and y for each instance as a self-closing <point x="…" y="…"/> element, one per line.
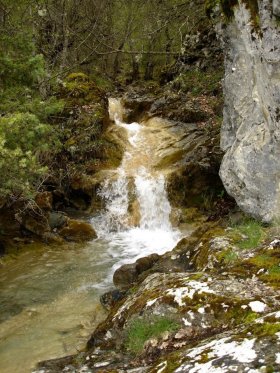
<point x="135" y="180"/>
<point x="49" y="295"/>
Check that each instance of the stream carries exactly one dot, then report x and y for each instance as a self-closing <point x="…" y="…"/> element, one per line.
<point x="49" y="295"/>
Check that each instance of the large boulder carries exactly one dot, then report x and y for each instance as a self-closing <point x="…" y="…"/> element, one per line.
<point x="250" y="134"/>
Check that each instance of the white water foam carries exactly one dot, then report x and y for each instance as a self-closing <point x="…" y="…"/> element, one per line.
<point x="154" y="234"/>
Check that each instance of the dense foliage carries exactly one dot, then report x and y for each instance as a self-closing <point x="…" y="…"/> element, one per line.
<point x="52" y="119"/>
<point x="24" y="110"/>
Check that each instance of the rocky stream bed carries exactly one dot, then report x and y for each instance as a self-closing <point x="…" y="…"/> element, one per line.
<point x="212" y="304"/>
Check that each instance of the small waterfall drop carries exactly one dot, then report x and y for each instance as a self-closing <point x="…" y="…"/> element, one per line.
<point x="135" y="188"/>
<point x="154" y="205"/>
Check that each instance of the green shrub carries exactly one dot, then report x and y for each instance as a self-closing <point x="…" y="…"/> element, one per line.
<point x="23" y="139"/>
<point x="20" y="65"/>
<point x="142" y="330"/>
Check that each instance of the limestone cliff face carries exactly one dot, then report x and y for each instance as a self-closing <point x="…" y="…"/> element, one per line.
<point x="250" y="134"/>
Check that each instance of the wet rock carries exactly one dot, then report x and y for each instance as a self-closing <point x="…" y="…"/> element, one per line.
<point x="189" y="151"/>
<point x="57" y="220"/>
<point x="50" y="237"/>
<point x="116" y="141"/>
<point x="203" y="301"/>
<point x="81" y="191"/>
<point x="56" y="365"/>
<point x="191" y="157"/>
<point x="136" y="104"/>
<point x="110" y="299"/>
<point x="125" y="276"/>
<point x="201" y="305"/>
<point x="134" y="214"/>
<point x="128" y="274"/>
<point x="35" y="223"/>
<point x="60" y="199"/>
<point x="77" y="230"/>
<point x="44" y="200"/>
<point x="145" y="263"/>
<point x="191" y="215"/>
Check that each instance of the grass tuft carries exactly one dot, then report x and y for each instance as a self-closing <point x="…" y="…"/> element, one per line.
<point x="252" y="231"/>
<point x="141" y="330"/>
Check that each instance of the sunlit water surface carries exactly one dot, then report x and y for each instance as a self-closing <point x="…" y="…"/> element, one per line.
<point x="49" y="302"/>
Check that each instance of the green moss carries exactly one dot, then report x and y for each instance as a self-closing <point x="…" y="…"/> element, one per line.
<point x="250" y="317"/>
<point x="269" y="261"/>
<point x="171" y="362"/>
<point x="269" y="369"/>
<point x="102" y="81"/>
<point x="226" y="312"/>
<point x="78" y="76"/>
<point x="272" y="277"/>
<point x="141" y="330"/>
<point x="227" y="256"/>
<point x="204" y="358"/>
<point x="196" y="276"/>
<point x="264" y="261"/>
<point x="190" y="215"/>
<point x="265" y="329"/>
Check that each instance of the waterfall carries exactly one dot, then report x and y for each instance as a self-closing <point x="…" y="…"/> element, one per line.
<point x="135" y="188"/>
<point x="155" y="208"/>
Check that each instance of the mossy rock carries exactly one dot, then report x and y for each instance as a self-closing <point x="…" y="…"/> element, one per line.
<point x="254" y="347"/>
<point x="191" y="215"/>
<point x="79" y="89"/>
<point x="265" y="264"/>
<point x="78" y="77"/>
<point x="194" y="300"/>
<point x="209" y="248"/>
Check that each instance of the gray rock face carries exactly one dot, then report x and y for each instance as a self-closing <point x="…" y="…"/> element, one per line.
<point x="276" y="7"/>
<point x="250" y="134"/>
